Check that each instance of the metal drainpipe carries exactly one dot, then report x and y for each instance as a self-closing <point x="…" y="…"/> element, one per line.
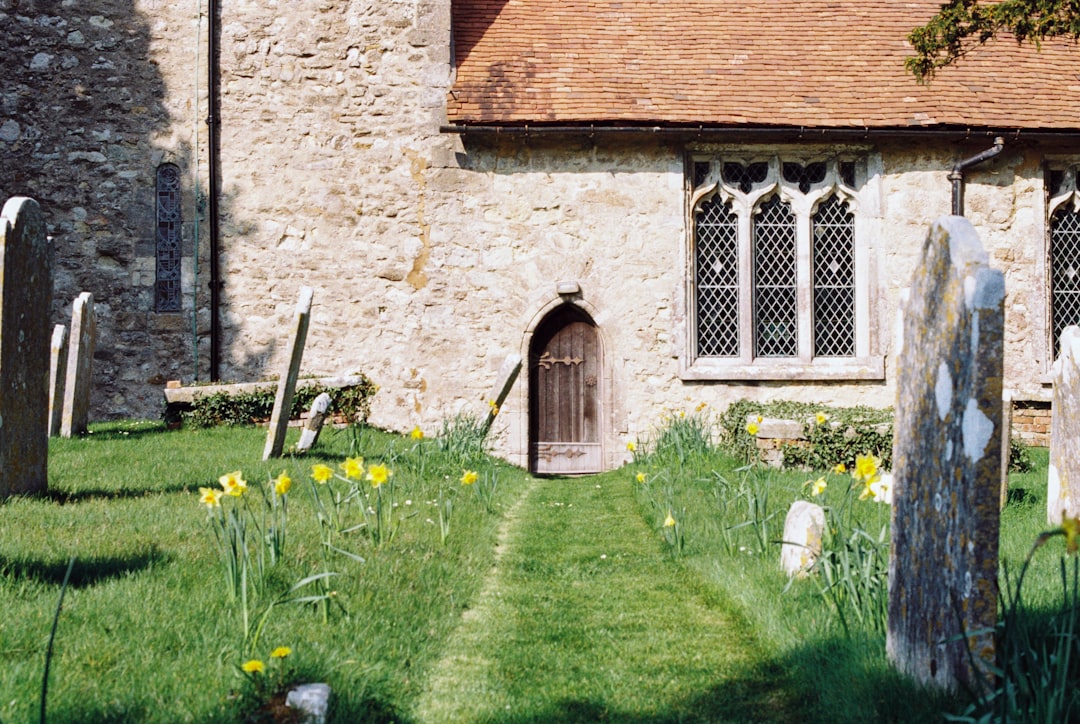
<point x="212" y="158"/>
<point x="957" y="173"/>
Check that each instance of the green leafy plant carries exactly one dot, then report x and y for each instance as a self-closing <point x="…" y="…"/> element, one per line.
<point x="463" y="440"/>
<point x="832" y="435"/>
<point x="353" y="402"/>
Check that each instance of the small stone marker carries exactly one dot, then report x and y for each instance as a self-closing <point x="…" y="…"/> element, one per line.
<point x="312" y="702"/>
<point x="802" y="537"/>
<point x="313" y="426"/>
<point x="947" y="464"/>
<point x="25" y="298"/>
<point x="508" y="374"/>
<point x="58" y="353"/>
<point x="1063" y="476"/>
<point x="80" y="361"/>
<point x="279" y="419"/>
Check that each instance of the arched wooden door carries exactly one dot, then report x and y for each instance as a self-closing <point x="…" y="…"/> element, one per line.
<point x="565" y="384"/>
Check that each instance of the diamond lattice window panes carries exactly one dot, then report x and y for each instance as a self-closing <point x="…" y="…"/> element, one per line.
<point x="168" y="240"/>
<point x="780" y="253"/>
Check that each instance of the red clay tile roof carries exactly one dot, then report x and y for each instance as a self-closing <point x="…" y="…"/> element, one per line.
<point x="811" y="63"/>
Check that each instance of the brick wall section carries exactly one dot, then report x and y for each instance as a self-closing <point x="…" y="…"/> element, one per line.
<point x="1031" y="422"/>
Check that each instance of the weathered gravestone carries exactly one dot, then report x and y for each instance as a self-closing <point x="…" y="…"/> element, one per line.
<point x="25" y="298"/>
<point x="80" y="362"/>
<point x="801" y="546"/>
<point x="1063" y="478"/>
<point x="57" y="370"/>
<point x="313" y="426"/>
<point x="279" y="418"/>
<point x="947" y="464"/>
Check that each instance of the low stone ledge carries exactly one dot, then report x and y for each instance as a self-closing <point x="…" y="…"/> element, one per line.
<point x="188" y="395"/>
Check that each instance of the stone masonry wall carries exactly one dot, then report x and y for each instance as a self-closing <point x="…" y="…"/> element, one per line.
<point x="431" y="259"/>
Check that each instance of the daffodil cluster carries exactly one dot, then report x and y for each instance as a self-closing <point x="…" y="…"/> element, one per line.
<point x="867" y="472"/>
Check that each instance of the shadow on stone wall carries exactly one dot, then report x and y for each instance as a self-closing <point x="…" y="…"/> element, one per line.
<point x="82" y="102"/>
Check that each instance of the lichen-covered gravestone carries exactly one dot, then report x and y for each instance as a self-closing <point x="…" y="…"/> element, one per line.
<point x="25" y="298"/>
<point x="81" y="341"/>
<point x="947" y="464"/>
<point x="1063" y="478"/>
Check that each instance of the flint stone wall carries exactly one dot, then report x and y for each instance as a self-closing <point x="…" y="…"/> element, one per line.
<point x="431" y="259"/>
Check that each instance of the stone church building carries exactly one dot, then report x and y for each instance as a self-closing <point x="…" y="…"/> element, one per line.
<point x="656" y="204"/>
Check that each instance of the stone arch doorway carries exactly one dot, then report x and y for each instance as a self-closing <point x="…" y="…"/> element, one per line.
<point x="565" y="394"/>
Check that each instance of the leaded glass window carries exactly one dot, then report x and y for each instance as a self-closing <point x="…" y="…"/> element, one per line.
<point x="167" y="292"/>
<point x="1064" y="272"/>
<point x="776" y="304"/>
<point x="776" y="287"/>
<point x="834" y="279"/>
<point x="717" y="279"/>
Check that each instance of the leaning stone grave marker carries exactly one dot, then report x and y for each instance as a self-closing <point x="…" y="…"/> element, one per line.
<point x="1063" y="476"/>
<point x="947" y="464"/>
<point x="279" y="418"/>
<point x="508" y="374"/>
<point x="57" y="369"/>
<point x="313" y="426"/>
<point x="80" y="362"/>
<point x="25" y="298"/>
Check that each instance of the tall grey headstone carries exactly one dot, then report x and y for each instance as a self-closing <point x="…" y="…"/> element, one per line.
<point x="1063" y="476"/>
<point x="80" y="363"/>
<point x="57" y="371"/>
<point x="279" y="419"/>
<point x="25" y="298"/>
<point x="313" y="426"/>
<point x="947" y="464"/>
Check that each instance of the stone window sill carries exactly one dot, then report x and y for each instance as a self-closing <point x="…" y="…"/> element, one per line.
<point x="824" y="369"/>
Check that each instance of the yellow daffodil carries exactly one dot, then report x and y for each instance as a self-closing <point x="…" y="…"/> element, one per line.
<point x="233" y="483"/>
<point x="818" y="486"/>
<point x="669" y="521"/>
<point x="417" y="433"/>
<point x="1071" y="527"/>
<point x="494" y="407"/>
<point x="641" y="477"/>
<point x="280" y="652"/>
<point x="839" y="468"/>
<point x="631" y="446"/>
<point x="254" y="666"/>
<point x="468" y="477"/>
<point x="378" y="475"/>
<point x="210" y="497"/>
<point x="866" y="468"/>
<point x="282" y="483"/>
<point x="353" y="467"/>
<point x="866" y="492"/>
<point x="820" y="418"/>
<point x="700" y="407"/>
<point x="752" y="428"/>
<point x="321" y="473"/>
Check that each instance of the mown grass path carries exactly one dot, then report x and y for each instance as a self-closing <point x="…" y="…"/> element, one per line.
<point x="586" y="618"/>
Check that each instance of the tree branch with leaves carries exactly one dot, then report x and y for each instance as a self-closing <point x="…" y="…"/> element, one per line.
<point x="962" y="25"/>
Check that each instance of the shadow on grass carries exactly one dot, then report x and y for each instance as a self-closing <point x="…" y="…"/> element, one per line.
<point x="124" y="430"/>
<point x="87" y="571"/>
<point x="65" y="497"/>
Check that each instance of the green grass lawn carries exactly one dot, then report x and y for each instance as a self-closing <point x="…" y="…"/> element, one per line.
<point x="548" y="600"/>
